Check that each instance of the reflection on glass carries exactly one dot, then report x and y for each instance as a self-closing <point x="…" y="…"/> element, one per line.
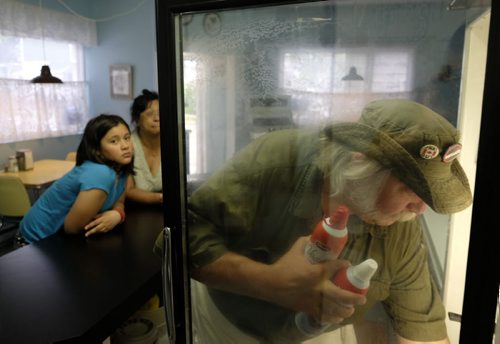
<point x="283" y="67"/>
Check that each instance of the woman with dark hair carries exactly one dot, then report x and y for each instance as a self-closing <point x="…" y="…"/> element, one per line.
<point x="146" y="184"/>
<point x="90" y="197"/>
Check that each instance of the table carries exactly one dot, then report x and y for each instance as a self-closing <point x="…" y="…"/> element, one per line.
<point x="69" y="289"/>
<point x="44" y="172"/>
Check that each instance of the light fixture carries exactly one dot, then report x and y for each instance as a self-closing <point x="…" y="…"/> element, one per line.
<point x="352" y="75"/>
<point x="45" y="76"/>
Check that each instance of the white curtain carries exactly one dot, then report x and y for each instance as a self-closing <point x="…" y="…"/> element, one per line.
<point x="32" y="111"/>
<point x="21" y="20"/>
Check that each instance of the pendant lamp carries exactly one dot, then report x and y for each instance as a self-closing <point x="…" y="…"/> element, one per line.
<point x="45" y="76"/>
<point x="352" y="75"/>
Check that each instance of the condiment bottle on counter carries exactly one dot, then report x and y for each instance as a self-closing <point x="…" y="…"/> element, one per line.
<point x="12" y="167"/>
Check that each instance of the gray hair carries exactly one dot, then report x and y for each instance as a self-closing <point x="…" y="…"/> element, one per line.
<point x="354" y="177"/>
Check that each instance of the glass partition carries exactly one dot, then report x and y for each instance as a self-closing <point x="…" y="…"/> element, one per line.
<point x="259" y="85"/>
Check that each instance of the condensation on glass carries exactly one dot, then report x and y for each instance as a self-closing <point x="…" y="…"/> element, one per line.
<point x="253" y="71"/>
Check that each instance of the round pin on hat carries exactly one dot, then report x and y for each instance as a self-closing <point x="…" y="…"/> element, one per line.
<point x="452" y="152"/>
<point x="429" y="152"/>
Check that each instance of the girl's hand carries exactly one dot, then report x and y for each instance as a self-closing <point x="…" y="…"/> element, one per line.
<point x="103" y="222"/>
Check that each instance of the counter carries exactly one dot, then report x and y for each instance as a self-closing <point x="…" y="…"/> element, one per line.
<point x="79" y="290"/>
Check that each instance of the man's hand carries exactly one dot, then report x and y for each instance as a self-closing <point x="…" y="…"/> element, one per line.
<point x="291" y="282"/>
<point x="302" y="286"/>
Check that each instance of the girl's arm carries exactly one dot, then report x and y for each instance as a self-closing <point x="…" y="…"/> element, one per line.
<point x="120" y="203"/>
<point x="84" y="214"/>
<point x="108" y="219"/>
<point x="85" y="208"/>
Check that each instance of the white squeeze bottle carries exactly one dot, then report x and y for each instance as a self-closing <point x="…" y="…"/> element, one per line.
<point x="326" y="242"/>
<point x="354" y="278"/>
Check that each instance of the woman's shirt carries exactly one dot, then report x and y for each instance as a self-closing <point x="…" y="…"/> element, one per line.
<point x="47" y="215"/>
<point x="143" y="178"/>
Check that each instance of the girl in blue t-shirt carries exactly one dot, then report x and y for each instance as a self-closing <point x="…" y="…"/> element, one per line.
<point x="90" y="197"/>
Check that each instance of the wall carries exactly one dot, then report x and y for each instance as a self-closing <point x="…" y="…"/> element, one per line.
<point x="129" y="39"/>
<point x="48" y="148"/>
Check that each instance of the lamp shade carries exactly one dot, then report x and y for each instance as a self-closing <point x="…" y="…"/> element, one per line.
<point x="46" y="77"/>
<point x="352" y="75"/>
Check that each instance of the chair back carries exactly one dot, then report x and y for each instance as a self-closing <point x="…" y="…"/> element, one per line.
<point x="71" y="156"/>
<point x="14" y="198"/>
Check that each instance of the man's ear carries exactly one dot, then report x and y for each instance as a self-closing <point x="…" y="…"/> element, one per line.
<point x="358" y="156"/>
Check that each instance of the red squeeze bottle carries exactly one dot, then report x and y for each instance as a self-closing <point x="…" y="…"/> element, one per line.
<point x="356" y="278"/>
<point x="327" y="241"/>
<point x="329" y="237"/>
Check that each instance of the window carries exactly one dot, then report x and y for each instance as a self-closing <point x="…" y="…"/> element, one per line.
<point x="24" y="57"/>
<point x="315" y="78"/>
<point x="391" y="72"/>
<point x="29" y="38"/>
<point x="302" y="71"/>
<point x="191" y="71"/>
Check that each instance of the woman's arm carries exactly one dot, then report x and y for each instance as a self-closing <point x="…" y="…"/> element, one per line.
<point x="142" y="196"/>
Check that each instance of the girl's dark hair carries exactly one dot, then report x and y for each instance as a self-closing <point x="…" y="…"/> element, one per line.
<point x="90" y="145"/>
<point x="141" y="103"/>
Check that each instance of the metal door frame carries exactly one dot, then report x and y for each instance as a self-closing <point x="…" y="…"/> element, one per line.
<point x="481" y="288"/>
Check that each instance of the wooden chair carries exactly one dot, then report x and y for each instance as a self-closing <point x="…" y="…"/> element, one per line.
<point x="71" y="156"/>
<point x="14" y="202"/>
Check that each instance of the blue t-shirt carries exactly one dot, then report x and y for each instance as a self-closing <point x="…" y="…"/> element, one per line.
<point x="47" y="215"/>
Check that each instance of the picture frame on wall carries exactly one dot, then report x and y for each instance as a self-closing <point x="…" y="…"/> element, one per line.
<point x="120" y="81"/>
